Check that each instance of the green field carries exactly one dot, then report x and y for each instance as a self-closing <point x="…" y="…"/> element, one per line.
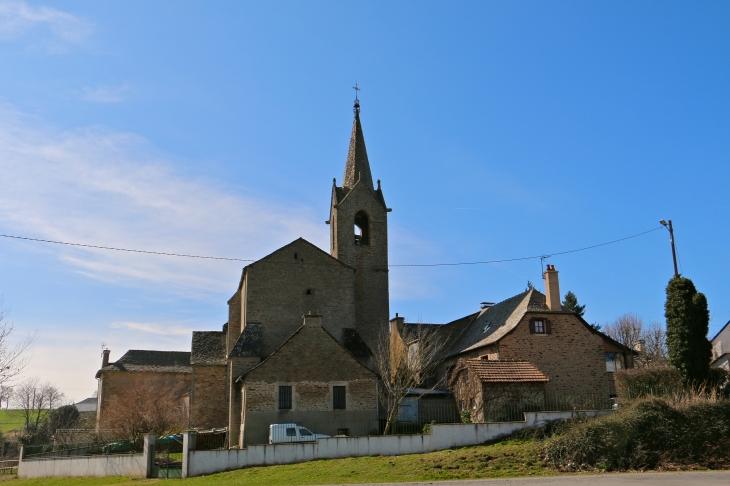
<point x="10" y="420"/>
<point x="505" y="459"/>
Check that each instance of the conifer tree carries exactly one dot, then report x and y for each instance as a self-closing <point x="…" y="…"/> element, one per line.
<point x="571" y="302"/>
<point x="687" y="326"/>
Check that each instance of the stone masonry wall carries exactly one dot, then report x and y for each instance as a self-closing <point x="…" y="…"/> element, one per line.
<point x="371" y="261"/>
<point x="113" y="382"/>
<point x="571" y="356"/>
<point x="277" y="293"/>
<point x="209" y="407"/>
<point x="236" y="367"/>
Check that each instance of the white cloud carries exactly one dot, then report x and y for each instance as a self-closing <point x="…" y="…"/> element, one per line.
<point x="113" y="189"/>
<point x="154" y="328"/>
<point x="17" y="18"/>
<point x="105" y="94"/>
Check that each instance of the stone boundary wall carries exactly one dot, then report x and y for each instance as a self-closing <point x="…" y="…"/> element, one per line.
<point x="443" y="436"/>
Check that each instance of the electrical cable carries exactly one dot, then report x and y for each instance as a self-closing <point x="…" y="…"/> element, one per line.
<point x="542" y="255"/>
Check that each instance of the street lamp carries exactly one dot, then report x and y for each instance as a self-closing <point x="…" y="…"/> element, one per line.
<point x="671" y="240"/>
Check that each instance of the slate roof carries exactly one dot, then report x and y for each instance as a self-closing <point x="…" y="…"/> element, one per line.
<point x="86" y="405"/>
<point x="249" y="341"/>
<point x="136" y="360"/>
<point x="352" y="342"/>
<point x="501" y="318"/>
<point x="357" y="165"/>
<point x="208" y="348"/>
<point x="503" y="371"/>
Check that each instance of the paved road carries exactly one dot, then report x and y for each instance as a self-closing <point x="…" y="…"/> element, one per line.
<point x="708" y="478"/>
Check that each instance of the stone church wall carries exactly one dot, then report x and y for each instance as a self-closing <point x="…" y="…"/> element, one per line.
<point x="277" y="293"/>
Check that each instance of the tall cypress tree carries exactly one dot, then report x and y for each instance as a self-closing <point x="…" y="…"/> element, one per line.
<point x="687" y="325"/>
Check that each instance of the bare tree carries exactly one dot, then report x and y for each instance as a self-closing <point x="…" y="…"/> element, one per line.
<point x="12" y="356"/>
<point x="33" y="399"/>
<point x="649" y="341"/>
<point x="407" y="361"/>
<point x="626" y="329"/>
<point x="655" y="352"/>
<point x="153" y="406"/>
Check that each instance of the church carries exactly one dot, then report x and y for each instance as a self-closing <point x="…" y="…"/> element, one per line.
<point x="301" y="331"/>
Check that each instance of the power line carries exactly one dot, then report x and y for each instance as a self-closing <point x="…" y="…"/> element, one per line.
<point x="399" y="265"/>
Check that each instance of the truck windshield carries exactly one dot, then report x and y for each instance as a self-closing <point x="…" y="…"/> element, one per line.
<point x="304" y="431"/>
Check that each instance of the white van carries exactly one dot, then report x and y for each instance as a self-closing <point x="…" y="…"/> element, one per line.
<point x="283" y="433"/>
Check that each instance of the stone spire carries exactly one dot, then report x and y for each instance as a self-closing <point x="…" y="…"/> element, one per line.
<point x="357" y="165"/>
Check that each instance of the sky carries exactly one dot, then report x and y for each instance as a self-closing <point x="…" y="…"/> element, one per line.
<point x="499" y="130"/>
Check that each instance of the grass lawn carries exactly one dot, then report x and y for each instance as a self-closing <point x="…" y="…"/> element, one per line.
<point x="504" y="459"/>
<point x="10" y="420"/>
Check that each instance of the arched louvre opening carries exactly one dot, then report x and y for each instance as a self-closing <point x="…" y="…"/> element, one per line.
<point x="362" y="229"/>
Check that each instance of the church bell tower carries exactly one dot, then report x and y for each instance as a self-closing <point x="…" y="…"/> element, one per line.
<point x="359" y="237"/>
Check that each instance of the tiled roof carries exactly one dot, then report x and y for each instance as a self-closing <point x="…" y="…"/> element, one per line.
<point x="208" y="348"/>
<point x="86" y="405"/>
<point x="501" y="371"/>
<point x="136" y="360"/>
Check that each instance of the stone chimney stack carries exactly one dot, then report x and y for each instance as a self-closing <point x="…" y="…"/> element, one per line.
<point x="397" y="322"/>
<point x="313" y="320"/>
<point x="552" y="289"/>
<point x="105" y="357"/>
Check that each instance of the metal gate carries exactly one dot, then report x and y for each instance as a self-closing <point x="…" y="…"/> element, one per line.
<point x="168" y="457"/>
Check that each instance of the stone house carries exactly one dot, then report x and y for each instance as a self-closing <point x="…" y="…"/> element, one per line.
<point x="348" y="287"/>
<point x="486" y="388"/>
<point x="534" y="329"/>
<point x="721" y="348"/>
<point x="138" y="367"/>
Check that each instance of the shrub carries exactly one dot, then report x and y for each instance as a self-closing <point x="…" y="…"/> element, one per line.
<point x="637" y="382"/>
<point x="649" y="434"/>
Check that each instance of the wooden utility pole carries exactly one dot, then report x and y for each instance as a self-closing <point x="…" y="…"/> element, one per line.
<point x="671" y="240"/>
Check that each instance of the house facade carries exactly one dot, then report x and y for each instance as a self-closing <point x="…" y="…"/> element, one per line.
<point x="721" y="348"/>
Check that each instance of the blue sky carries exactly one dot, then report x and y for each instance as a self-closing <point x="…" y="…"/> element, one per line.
<point x="498" y="129"/>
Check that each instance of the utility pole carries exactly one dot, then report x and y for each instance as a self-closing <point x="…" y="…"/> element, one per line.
<point x="671" y="240"/>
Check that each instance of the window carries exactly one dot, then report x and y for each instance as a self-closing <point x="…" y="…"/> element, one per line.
<point x="486" y="328"/>
<point x="304" y="432"/>
<point x="473" y="404"/>
<point x="285" y="397"/>
<point x="461" y="405"/>
<point x="339" y="397"/>
<point x="539" y="325"/>
<point x="291" y="432"/>
<point x="362" y="229"/>
<point x="613" y="362"/>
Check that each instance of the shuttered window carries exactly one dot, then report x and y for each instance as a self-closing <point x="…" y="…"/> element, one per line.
<point x="285" y="397"/>
<point x="540" y="325"/>
<point x="339" y="397"/>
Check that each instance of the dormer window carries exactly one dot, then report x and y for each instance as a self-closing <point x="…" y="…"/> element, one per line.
<point x="540" y="325"/>
<point x="362" y="229"/>
<point x="487" y="326"/>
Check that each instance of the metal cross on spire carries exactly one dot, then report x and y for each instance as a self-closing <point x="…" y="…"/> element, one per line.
<point x="356" y="109"/>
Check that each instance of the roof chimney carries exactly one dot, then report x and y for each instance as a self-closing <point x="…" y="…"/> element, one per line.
<point x="313" y="320"/>
<point x="552" y="289"/>
<point x="105" y="357"/>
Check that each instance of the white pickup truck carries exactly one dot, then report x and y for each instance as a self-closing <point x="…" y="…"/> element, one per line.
<point x="284" y="433"/>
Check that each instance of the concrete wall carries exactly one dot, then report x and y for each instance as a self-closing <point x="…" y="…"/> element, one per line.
<point x="132" y="465"/>
<point x="441" y="437"/>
